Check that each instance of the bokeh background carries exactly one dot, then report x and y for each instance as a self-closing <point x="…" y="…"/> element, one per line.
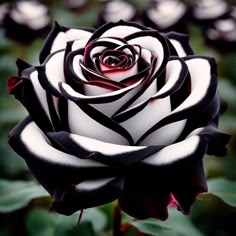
<point x="24" y="204"/>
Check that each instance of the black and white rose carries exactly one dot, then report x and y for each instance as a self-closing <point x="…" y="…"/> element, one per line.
<point x="206" y="11"/>
<point x="122" y="112"/>
<point x="221" y="35"/>
<point x="114" y="10"/>
<point x="26" y="20"/>
<point x="167" y="15"/>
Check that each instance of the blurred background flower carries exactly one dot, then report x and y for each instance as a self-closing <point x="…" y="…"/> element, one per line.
<point x="23" y="204"/>
<point x="24" y="21"/>
<point x="167" y="15"/>
<point x="114" y="10"/>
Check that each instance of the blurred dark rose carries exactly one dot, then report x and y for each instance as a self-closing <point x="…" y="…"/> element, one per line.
<point x="26" y="20"/>
<point x="167" y="15"/>
<point x="221" y="35"/>
<point x="76" y="5"/>
<point x="4" y="8"/>
<point x="122" y="112"/>
<point x="206" y="11"/>
<point x="114" y="10"/>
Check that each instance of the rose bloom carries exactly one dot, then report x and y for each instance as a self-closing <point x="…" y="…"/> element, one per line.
<point x="25" y="21"/>
<point x="114" y="10"/>
<point x="122" y="112"/>
<point x="206" y="11"/>
<point x="221" y="35"/>
<point x="167" y="15"/>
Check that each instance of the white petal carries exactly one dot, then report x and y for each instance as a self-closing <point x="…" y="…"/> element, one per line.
<point x="149" y="116"/>
<point x="174" y="152"/>
<point x="165" y="135"/>
<point x="33" y="138"/>
<point x="82" y="124"/>
<point x="91" y="185"/>
<point x="70" y="35"/>
<point x="54" y="70"/>
<point x="200" y="82"/>
<point x="120" y="31"/>
<point x="40" y="92"/>
<point x="178" y="47"/>
<point x="110" y="149"/>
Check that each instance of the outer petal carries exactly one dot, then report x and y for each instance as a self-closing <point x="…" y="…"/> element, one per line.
<point x="54" y="169"/>
<point x="180" y="43"/>
<point x="150" y="195"/>
<point x="217" y="140"/>
<point x="202" y="92"/>
<point x="51" y="73"/>
<point x="106" y="153"/>
<point x="90" y="193"/>
<point x="59" y="36"/>
<point x="118" y="29"/>
<point x="29" y="92"/>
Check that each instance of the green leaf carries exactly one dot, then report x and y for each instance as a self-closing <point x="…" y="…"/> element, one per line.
<point x="224" y="189"/>
<point x="18" y="194"/>
<point x="176" y="225"/>
<point x="152" y="227"/>
<point x="39" y="222"/>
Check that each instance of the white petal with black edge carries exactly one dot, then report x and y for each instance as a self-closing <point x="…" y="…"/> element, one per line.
<point x="70" y="35"/>
<point x="82" y="124"/>
<point x="31" y="137"/>
<point x="175" y="152"/>
<point x="110" y="154"/>
<point x="40" y="92"/>
<point x="51" y="74"/>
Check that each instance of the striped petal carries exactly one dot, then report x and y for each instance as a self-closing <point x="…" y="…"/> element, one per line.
<point x="54" y="169"/>
<point x="202" y="92"/>
<point x="51" y="72"/>
<point x="59" y="37"/>
<point x="107" y="153"/>
<point x="180" y="43"/>
<point x="85" y="120"/>
<point x="90" y="193"/>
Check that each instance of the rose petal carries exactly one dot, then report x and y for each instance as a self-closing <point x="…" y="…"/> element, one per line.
<point x="59" y="36"/>
<point x="22" y="65"/>
<point x="90" y="193"/>
<point x="54" y="169"/>
<point x="35" y="100"/>
<point x="202" y="92"/>
<point x="195" y="146"/>
<point x="180" y="43"/>
<point x="155" y="43"/>
<point x="71" y="94"/>
<point x="84" y="120"/>
<point x="145" y="196"/>
<point x="118" y="29"/>
<point x="51" y="73"/>
<point x="103" y="152"/>
<point x="140" y="118"/>
<point x="217" y="140"/>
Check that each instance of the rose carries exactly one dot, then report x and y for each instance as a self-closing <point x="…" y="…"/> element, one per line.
<point x="24" y="21"/>
<point x="118" y="113"/>
<point x="221" y="35"/>
<point x="205" y="11"/>
<point x="115" y="10"/>
<point x="170" y="15"/>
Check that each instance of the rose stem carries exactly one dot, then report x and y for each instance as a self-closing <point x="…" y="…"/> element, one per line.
<point x="116" y="219"/>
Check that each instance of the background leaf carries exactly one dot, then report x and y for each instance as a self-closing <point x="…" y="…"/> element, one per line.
<point x="17" y="194"/>
<point x="176" y="225"/>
